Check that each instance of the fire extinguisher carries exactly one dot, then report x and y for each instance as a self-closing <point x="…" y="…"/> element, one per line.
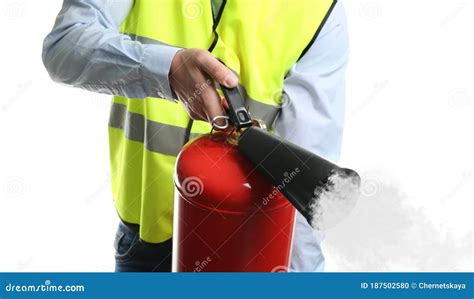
<point x="228" y="216"/>
<point x="235" y="197"/>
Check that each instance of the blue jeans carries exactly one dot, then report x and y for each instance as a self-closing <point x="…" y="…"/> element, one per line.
<point x="135" y="255"/>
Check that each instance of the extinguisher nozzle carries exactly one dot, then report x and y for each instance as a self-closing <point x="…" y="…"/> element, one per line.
<point x="320" y="190"/>
<point x="335" y="199"/>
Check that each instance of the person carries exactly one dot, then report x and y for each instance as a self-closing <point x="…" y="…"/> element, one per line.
<point x="162" y="61"/>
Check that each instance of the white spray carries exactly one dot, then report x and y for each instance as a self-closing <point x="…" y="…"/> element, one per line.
<point x="335" y="200"/>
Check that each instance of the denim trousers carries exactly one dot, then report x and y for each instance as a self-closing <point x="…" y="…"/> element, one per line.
<point x="135" y="255"/>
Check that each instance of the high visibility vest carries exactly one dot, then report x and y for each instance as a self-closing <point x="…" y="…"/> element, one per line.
<point x="258" y="39"/>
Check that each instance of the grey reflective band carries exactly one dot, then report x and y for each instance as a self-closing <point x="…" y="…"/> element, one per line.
<point x="146" y="40"/>
<point x="265" y="112"/>
<point x="117" y="116"/>
<point x="157" y="137"/>
<point x="134" y="126"/>
<point x="194" y="135"/>
<point x="163" y="138"/>
<point x="259" y="110"/>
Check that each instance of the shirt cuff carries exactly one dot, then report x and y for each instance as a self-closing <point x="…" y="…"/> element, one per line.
<point x="156" y="63"/>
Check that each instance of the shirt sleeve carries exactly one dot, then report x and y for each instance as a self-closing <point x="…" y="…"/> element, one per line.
<point x="312" y="115"/>
<point x="85" y="49"/>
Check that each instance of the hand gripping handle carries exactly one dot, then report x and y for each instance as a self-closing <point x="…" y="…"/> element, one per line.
<point x="238" y="114"/>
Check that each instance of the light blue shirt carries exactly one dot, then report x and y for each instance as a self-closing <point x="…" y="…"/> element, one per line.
<point x="85" y="49"/>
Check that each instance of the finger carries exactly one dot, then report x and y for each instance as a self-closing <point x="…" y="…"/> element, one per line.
<point x="212" y="105"/>
<point x="217" y="70"/>
<point x="197" y="116"/>
<point x="195" y="112"/>
<point x="198" y="113"/>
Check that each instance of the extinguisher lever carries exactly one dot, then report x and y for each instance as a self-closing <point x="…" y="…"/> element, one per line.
<point x="238" y="114"/>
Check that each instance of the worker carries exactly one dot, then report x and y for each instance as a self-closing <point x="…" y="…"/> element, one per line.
<point x="162" y="61"/>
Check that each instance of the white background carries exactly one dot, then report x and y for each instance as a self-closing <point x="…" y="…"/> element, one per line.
<point x="408" y="131"/>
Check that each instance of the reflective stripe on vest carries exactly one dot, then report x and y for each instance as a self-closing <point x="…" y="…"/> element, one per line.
<point x="259" y="40"/>
<point x="157" y="137"/>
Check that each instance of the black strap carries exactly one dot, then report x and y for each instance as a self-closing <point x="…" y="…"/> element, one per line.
<point x="187" y="135"/>
<point x="214" y="42"/>
<point x="217" y="9"/>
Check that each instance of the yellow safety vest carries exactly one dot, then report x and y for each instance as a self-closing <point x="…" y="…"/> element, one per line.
<point x="259" y="39"/>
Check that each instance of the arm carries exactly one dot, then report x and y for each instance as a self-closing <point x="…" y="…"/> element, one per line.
<point x="86" y="50"/>
<point x="314" y="113"/>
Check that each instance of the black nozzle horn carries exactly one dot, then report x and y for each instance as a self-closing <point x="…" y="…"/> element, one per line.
<point x="295" y="171"/>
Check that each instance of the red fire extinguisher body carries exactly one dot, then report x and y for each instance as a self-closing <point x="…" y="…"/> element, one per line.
<point x="228" y="217"/>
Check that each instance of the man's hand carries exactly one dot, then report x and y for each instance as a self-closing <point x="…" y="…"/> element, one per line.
<point x="192" y="76"/>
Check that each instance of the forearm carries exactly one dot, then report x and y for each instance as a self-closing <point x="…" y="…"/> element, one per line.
<point x="86" y="50"/>
<point x="313" y="113"/>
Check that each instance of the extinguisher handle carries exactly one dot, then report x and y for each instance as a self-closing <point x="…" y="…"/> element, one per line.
<point x="238" y="114"/>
